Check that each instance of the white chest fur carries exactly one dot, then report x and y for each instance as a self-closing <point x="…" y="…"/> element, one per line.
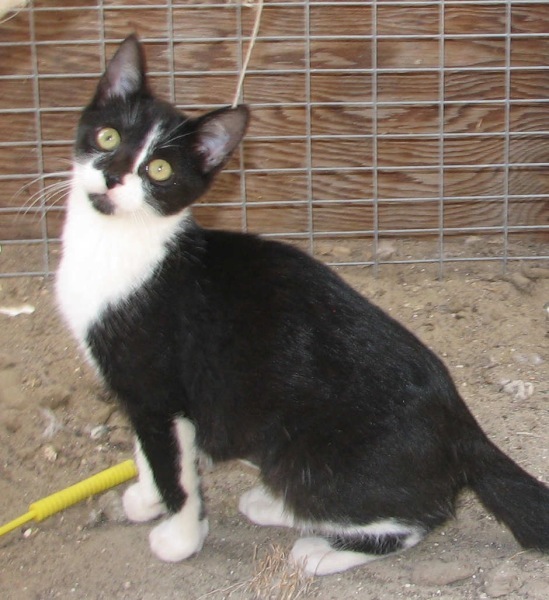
<point x="106" y="257"/>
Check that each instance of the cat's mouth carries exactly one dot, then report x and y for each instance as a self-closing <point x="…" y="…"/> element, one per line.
<point x="102" y="203"/>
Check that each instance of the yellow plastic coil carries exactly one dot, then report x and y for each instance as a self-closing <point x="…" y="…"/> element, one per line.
<point x="48" y="506"/>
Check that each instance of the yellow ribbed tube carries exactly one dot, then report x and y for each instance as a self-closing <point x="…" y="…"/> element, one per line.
<point x="48" y="506"/>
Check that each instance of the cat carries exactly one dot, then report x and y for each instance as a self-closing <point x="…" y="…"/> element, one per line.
<point x="240" y="347"/>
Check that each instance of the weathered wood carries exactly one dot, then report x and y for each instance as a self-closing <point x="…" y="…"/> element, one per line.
<point x="351" y="182"/>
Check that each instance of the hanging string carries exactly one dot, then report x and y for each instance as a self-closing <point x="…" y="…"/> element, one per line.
<point x="257" y="22"/>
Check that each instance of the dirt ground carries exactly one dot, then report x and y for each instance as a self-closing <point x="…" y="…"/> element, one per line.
<point x="58" y="426"/>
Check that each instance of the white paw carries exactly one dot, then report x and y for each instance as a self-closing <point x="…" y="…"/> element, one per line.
<point x="317" y="557"/>
<point x="140" y="505"/>
<point x="176" y="539"/>
<point x="262" y="509"/>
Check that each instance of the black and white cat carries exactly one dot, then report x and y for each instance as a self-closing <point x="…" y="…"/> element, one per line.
<point x="240" y="347"/>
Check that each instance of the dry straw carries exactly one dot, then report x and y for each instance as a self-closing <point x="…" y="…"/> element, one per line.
<point x="259" y="9"/>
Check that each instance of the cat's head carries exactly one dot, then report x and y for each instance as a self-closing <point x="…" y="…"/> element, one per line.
<point x="137" y="154"/>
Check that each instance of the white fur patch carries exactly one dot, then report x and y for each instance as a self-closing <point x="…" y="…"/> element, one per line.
<point x="106" y="257"/>
<point x="142" y="500"/>
<point x="263" y="509"/>
<point x="183" y="534"/>
<point x="317" y="557"/>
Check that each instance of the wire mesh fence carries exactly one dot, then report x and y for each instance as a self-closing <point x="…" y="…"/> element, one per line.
<point x="382" y="131"/>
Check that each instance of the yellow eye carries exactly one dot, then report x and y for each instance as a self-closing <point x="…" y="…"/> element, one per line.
<point x="108" y="138"/>
<point x="159" y="170"/>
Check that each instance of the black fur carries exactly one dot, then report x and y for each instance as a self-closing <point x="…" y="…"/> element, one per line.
<point x="350" y="418"/>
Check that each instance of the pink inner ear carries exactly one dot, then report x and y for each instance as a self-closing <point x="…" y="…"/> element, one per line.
<point x="214" y="144"/>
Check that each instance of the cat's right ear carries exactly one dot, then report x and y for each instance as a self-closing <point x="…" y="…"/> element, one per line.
<point x="125" y="73"/>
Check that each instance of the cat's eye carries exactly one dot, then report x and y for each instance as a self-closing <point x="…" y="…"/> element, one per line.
<point x="108" y="139"/>
<point x="159" y="170"/>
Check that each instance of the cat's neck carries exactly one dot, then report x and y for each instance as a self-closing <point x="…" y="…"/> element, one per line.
<point x="106" y="257"/>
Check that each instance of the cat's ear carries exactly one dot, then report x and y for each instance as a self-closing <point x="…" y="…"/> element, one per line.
<point x="125" y="73"/>
<point x="218" y="133"/>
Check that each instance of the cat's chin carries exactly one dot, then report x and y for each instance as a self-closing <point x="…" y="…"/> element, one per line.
<point x="102" y="203"/>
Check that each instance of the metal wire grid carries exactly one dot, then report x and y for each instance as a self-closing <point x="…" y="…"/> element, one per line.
<point x="313" y="235"/>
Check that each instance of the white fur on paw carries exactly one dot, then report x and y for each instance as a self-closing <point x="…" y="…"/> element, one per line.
<point x="141" y="506"/>
<point x="176" y="539"/>
<point x="262" y="509"/>
<point x="317" y="557"/>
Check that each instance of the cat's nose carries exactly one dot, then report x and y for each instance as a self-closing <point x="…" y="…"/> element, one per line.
<point x="112" y="180"/>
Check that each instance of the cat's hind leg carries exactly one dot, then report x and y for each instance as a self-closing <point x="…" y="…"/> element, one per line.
<point x="262" y="508"/>
<point x="352" y="547"/>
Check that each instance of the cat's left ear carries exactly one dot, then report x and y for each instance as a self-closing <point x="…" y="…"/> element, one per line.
<point x="218" y="133"/>
<point x="125" y="73"/>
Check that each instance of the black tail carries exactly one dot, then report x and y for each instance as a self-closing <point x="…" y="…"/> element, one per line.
<point x="514" y="497"/>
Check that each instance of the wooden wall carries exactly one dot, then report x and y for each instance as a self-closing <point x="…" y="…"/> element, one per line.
<point x="397" y="119"/>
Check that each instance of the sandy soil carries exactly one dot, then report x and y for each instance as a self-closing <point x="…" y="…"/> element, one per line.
<point x="58" y="425"/>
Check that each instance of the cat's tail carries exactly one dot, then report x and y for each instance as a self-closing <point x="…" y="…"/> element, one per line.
<point x="513" y="496"/>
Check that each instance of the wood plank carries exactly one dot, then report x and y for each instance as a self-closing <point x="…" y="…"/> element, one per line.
<point x="343" y="217"/>
<point x="277" y="55"/>
<point x="408" y="87"/>
<point x="146" y="22"/>
<point x="57" y="158"/>
<point x="529" y="212"/>
<point x="226" y="188"/>
<point x="72" y="59"/>
<point x="407" y="54"/>
<point x="341" y="20"/>
<point x="474" y="182"/>
<point x="16" y="93"/>
<point x="341" y="120"/>
<point x="63" y="93"/>
<point x="204" y="89"/>
<point x="486" y="52"/>
<point x="277" y="219"/>
<point x="287" y="87"/>
<point x="473" y="150"/>
<point x="341" y="87"/>
<point x="80" y="23"/>
<point x="226" y="217"/>
<point x="16" y="60"/>
<point x="474" y="118"/>
<point x="204" y="22"/>
<point x="203" y="56"/>
<point x="475" y="19"/>
<point x="276" y="187"/>
<point x="18" y="160"/>
<point x="529" y="52"/>
<point x="342" y="185"/>
<point x="408" y="184"/>
<point x="19" y="194"/>
<point x="341" y="54"/>
<point x="529" y="180"/>
<point x="59" y="126"/>
<point x="408" y="119"/>
<point x="407" y="152"/>
<point x="529" y="84"/>
<point x="276" y="21"/>
<point x="530" y="18"/>
<point x="17" y="127"/>
<point x="530" y="116"/>
<point x="273" y="154"/>
<point x="277" y="121"/>
<point x="406" y="20"/>
<point x="528" y="149"/>
<point x="474" y="85"/>
<point x="342" y="153"/>
<point x="20" y="226"/>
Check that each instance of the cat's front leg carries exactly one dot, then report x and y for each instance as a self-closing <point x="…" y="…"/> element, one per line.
<point x="171" y="456"/>
<point x="142" y="500"/>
